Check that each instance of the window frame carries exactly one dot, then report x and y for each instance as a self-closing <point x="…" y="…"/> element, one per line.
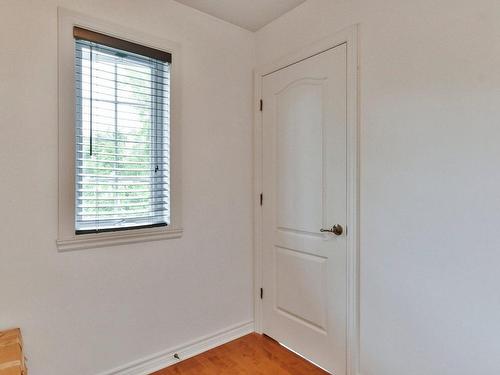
<point x="67" y="238"/>
<point x="87" y="42"/>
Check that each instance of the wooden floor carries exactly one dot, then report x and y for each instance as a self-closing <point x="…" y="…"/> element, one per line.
<point x="253" y="354"/>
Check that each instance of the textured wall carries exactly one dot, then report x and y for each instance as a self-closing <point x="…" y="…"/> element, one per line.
<point x="87" y="311"/>
<point x="430" y="177"/>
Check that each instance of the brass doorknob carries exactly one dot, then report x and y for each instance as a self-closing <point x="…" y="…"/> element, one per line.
<point x="336" y="229"/>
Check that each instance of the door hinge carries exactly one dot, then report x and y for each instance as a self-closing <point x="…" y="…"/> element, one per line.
<point x="261" y="293"/>
<point x="261" y="198"/>
<point x="261" y="105"/>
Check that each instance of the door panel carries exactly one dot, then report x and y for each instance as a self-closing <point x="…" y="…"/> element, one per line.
<point x="301" y="286"/>
<point x="299" y="149"/>
<point x="304" y="180"/>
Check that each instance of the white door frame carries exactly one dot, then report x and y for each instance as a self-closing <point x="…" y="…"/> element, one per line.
<point x="348" y="36"/>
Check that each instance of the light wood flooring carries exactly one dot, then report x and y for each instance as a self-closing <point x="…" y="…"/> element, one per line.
<point x="252" y="354"/>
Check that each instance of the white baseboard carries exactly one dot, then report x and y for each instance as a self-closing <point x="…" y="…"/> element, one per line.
<point x="158" y="361"/>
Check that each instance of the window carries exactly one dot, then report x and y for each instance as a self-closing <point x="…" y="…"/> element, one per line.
<point x="122" y="134"/>
<point x="119" y="178"/>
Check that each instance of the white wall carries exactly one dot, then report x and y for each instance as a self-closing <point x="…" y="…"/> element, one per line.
<point x="88" y="311"/>
<point x="430" y="185"/>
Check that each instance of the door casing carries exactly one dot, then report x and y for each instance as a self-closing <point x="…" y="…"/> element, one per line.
<point x="349" y="36"/>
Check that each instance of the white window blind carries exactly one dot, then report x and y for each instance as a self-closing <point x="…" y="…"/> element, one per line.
<point x="121" y="136"/>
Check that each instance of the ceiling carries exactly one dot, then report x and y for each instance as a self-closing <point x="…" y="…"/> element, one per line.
<point x="249" y="14"/>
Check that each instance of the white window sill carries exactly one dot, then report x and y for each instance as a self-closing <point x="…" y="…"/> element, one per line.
<point x="90" y="241"/>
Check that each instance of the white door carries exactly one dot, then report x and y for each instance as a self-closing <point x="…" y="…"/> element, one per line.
<point x="304" y="186"/>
